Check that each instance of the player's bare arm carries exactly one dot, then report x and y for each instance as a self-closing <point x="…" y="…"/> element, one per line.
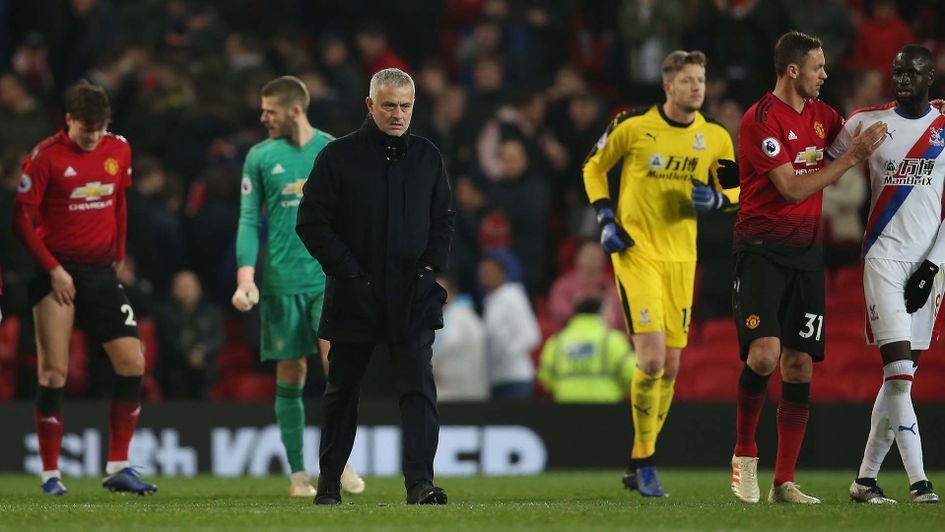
<point x="796" y="188"/>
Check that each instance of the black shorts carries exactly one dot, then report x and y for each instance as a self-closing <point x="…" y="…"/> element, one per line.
<point x="773" y="300"/>
<point x="102" y="309"/>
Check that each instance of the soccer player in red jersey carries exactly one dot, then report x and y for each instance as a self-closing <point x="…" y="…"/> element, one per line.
<point x="779" y="281"/>
<point x="71" y="214"/>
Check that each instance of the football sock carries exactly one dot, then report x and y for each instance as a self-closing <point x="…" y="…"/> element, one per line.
<point x="751" y="398"/>
<point x="645" y="402"/>
<point x="48" y="417"/>
<point x="898" y="398"/>
<point x="880" y="439"/>
<point x="122" y="420"/>
<point x="793" y="412"/>
<point x="667" y="387"/>
<point x="290" y="414"/>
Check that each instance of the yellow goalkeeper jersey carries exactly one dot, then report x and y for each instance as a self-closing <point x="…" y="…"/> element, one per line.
<point x="660" y="157"/>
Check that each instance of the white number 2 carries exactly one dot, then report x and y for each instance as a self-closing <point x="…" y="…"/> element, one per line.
<point x="809" y="328"/>
<point x="130" y="319"/>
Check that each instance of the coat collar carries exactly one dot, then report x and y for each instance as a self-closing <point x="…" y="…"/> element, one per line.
<point x="396" y="146"/>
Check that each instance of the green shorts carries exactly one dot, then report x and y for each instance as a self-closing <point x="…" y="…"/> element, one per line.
<point x="288" y="325"/>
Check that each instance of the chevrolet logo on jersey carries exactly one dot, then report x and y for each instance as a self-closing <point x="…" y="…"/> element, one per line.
<point x="293" y="188"/>
<point x="810" y="156"/>
<point x="93" y="191"/>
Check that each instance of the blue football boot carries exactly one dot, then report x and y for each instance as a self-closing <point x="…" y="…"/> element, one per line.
<point x="54" y="486"/>
<point x="648" y="482"/>
<point x="128" y="481"/>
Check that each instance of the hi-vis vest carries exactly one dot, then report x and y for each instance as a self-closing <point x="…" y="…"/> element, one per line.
<point x="587" y="362"/>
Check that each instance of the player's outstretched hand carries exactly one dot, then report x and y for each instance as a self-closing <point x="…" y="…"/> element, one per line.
<point x="864" y="143"/>
<point x="728" y="174"/>
<point x="246" y="295"/>
<point x="63" y="288"/>
<point x="920" y="286"/>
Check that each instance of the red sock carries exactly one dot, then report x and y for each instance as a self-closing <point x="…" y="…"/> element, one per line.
<point x="792" y="423"/>
<point x="122" y="420"/>
<point x="49" y="433"/>
<point x="749" y="412"/>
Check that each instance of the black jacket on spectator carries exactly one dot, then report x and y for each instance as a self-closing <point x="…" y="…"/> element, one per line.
<point x="375" y="212"/>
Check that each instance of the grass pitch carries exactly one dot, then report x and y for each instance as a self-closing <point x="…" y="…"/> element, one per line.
<point x="700" y="500"/>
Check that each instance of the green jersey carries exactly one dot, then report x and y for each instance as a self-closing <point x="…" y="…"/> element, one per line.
<point x="273" y="175"/>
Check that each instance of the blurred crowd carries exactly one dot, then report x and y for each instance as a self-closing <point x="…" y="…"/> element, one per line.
<point x="513" y="92"/>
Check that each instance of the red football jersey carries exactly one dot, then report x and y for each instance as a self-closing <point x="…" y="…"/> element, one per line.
<point x="772" y="134"/>
<point x="77" y="194"/>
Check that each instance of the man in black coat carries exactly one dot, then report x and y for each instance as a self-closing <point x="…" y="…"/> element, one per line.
<point x="375" y="213"/>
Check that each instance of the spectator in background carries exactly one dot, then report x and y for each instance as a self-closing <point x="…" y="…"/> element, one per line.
<point x="522" y="196"/>
<point x="376" y="54"/>
<point x="488" y="92"/>
<point x="589" y="279"/>
<point x="587" y="362"/>
<point x="190" y="334"/>
<point x="867" y="91"/>
<point x="511" y="333"/>
<point x="30" y="62"/>
<point x="344" y="73"/>
<point x="843" y="227"/>
<point x="22" y="115"/>
<point x="830" y="20"/>
<point x="881" y="35"/>
<point x="459" y="357"/>
<point x="155" y="233"/>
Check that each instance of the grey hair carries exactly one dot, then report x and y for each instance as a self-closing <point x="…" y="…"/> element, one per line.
<point x="390" y="76"/>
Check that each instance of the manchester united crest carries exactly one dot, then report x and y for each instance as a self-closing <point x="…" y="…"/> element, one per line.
<point x="819" y="129"/>
<point x="111" y="166"/>
<point x="753" y="321"/>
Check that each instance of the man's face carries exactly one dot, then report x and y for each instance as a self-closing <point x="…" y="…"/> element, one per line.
<point x="85" y="135"/>
<point x="811" y="74"/>
<point x="491" y="274"/>
<point x="912" y="75"/>
<point x="393" y="109"/>
<point x="278" y="118"/>
<point x="687" y="88"/>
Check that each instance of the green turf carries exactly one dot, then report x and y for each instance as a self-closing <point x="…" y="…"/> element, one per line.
<point x="555" y="501"/>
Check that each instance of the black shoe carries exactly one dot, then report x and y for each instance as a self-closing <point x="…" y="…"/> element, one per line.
<point x="328" y="498"/>
<point x="630" y="479"/>
<point x="425" y="493"/>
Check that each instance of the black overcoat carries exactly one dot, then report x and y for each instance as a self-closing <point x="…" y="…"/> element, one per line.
<point x="375" y="213"/>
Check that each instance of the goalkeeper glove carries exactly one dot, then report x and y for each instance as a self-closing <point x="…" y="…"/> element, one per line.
<point x="727" y="173"/>
<point x="705" y="198"/>
<point x="920" y="286"/>
<point x="613" y="238"/>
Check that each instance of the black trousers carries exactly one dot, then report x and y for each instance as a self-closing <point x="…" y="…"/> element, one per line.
<point x="420" y="421"/>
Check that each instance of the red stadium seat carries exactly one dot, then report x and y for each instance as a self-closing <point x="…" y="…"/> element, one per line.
<point x="78" y="363"/>
<point x="9" y="341"/>
<point x="147" y="329"/>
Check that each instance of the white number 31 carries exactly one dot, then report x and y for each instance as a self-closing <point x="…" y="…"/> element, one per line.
<point x="809" y="327"/>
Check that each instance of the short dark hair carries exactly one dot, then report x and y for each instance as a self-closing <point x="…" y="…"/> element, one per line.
<point x="88" y="103"/>
<point x="919" y="51"/>
<point x="675" y="61"/>
<point x="791" y="49"/>
<point x="290" y="90"/>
